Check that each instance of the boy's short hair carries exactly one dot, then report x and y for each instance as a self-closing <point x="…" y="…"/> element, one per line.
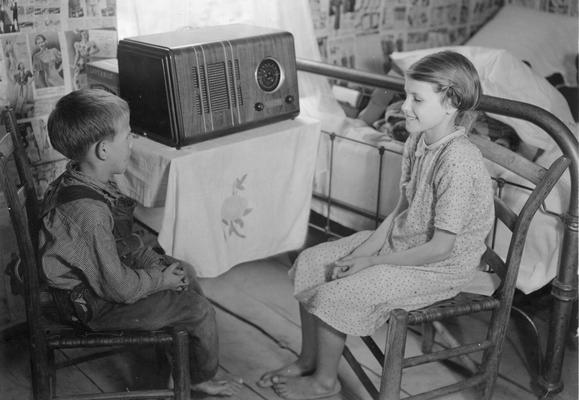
<point x="84" y="117"/>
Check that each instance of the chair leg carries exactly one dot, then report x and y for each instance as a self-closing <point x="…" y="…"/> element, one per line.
<point x="393" y="355"/>
<point x="490" y="361"/>
<point x="51" y="373"/>
<point x="427" y="337"/>
<point x="181" y="375"/>
<point x="42" y="373"/>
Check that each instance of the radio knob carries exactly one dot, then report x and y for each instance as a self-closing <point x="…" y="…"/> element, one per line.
<point x="259" y="106"/>
<point x="289" y="99"/>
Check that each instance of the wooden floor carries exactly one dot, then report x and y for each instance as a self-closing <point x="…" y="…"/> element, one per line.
<point x="259" y="330"/>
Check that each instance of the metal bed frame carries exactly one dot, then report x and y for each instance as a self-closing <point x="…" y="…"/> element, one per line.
<point x="548" y="363"/>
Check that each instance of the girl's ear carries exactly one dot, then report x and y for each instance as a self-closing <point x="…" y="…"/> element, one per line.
<point x="448" y="107"/>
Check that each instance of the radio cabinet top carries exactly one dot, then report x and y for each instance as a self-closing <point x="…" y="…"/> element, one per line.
<point x="193" y="85"/>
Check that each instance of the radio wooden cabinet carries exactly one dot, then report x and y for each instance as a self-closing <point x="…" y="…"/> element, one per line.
<point x="193" y="85"/>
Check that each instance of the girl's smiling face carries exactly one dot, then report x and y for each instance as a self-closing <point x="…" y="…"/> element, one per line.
<point x="425" y="111"/>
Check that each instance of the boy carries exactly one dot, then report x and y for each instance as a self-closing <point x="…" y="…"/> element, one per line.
<point x="101" y="274"/>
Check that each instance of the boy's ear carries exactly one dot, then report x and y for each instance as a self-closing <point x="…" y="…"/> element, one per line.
<point x="101" y="150"/>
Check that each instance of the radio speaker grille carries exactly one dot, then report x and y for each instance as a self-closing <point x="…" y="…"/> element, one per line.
<point x="217" y="88"/>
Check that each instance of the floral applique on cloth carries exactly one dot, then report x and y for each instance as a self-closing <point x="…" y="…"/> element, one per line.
<point x="234" y="209"/>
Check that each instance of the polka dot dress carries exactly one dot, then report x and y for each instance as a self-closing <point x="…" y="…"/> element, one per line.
<point x="447" y="187"/>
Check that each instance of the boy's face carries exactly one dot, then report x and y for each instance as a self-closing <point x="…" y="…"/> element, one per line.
<point x="120" y="147"/>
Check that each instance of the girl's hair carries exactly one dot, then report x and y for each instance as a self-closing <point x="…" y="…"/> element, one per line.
<point x="84" y="117"/>
<point x="454" y="77"/>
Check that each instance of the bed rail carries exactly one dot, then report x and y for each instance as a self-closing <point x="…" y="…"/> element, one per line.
<point x="564" y="286"/>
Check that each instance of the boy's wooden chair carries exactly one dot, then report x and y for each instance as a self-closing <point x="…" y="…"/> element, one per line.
<point x="484" y="373"/>
<point x="46" y="333"/>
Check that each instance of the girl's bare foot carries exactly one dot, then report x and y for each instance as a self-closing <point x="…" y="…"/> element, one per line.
<point x="295" y="369"/>
<point x="221" y="387"/>
<point x="305" y="387"/>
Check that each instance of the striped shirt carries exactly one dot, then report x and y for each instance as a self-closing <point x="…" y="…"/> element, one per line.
<point x="77" y="245"/>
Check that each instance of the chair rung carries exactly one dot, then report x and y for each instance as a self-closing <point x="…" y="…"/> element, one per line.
<point x="445" y="354"/>
<point x="137" y="394"/>
<point x="449" y="308"/>
<point x="95" y="341"/>
<point x="445" y="390"/>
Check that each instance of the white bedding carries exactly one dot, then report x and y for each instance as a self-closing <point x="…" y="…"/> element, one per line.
<point x="548" y="41"/>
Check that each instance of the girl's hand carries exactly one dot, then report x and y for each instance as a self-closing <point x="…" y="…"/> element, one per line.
<point x="350" y="265"/>
<point x="175" y="278"/>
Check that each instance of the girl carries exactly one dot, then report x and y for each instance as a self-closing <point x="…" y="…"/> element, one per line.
<point x="84" y="49"/>
<point x="47" y="63"/>
<point x="425" y="251"/>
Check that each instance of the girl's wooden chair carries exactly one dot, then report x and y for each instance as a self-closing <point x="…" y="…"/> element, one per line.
<point x="46" y="334"/>
<point x="484" y="373"/>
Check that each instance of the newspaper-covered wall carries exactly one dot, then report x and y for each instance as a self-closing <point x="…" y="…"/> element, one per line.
<point x="363" y="33"/>
<point x="46" y="45"/>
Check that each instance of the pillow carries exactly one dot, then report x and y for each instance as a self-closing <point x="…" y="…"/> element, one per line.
<point x="547" y="41"/>
<point x="504" y="75"/>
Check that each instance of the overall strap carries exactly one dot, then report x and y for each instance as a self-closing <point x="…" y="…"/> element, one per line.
<point x="122" y="213"/>
<point x="77" y="192"/>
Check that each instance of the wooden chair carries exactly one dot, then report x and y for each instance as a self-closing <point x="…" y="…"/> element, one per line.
<point x="484" y="373"/>
<point x="46" y="334"/>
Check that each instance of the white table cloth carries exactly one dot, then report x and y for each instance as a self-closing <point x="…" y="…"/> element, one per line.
<point x="229" y="200"/>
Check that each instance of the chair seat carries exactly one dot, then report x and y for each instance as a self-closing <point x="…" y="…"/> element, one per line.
<point x="461" y="304"/>
<point x="66" y="335"/>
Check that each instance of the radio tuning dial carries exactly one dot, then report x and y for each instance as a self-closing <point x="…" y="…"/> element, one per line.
<point x="268" y="75"/>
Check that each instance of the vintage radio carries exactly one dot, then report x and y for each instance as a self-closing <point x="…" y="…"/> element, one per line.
<point x="193" y="85"/>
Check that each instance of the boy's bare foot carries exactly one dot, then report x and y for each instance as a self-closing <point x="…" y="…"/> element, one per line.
<point x="219" y="387"/>
<point x="294" y="369"/>
<point x="305" y="387"/>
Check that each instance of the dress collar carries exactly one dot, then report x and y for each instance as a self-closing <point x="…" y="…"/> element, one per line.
<point x="423" y="147"/>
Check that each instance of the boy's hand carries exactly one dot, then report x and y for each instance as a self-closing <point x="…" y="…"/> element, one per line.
<point x="175" y="278"/>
